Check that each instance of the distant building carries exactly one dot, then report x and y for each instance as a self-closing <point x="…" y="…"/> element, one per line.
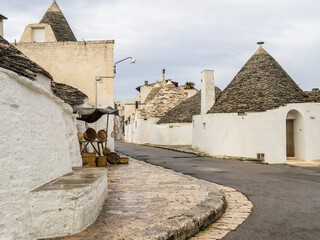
<point x="162" y="97"/>
<point x="262" y="114"/>
<point x="175" y="127"/>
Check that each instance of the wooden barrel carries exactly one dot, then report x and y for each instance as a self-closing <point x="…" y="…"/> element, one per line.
<point x="90" y="134"/>
<point x="102" y="135"/>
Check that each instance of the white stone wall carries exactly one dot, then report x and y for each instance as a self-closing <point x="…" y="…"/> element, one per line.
<point x="68" y="211"/>
<point x="146" y="131"/>
<point x="263" y="132"/>
<point x="38" y="144"/>
<point x="171" y="134"/>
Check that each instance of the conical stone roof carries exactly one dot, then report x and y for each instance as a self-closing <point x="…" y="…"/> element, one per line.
<point x="154" y="91"/>
<point x="55" y="18"/>
<point x="183" y="112"/>
<point x="261" y="85"/>
<point x="167" y="98"/>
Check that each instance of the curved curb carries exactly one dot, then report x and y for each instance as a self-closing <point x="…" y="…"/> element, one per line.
<point x="190" y="222"/>
<point x="238" y="210"/>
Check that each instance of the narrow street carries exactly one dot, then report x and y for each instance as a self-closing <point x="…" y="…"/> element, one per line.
<point x="286" y="199"/>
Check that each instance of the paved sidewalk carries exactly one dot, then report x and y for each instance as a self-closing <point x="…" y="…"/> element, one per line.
<point x="150" y="202"/>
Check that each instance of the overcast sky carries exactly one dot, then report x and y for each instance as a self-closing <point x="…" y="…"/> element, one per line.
<point x="187" y="36"/>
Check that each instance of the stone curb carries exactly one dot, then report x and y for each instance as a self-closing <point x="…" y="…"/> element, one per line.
<point x="189" y="222"/>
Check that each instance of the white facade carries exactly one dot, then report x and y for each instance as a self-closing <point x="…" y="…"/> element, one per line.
<point x="143" y="131"/>
<point x="171" y="134"/>
<point x="38" y="144"/>
<point x="230" y="134"/>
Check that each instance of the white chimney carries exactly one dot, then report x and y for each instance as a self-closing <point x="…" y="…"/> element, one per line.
<point x="207" y="91"/>
<point x="1" y="24"/>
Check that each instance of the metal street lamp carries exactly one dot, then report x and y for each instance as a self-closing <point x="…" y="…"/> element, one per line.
<point x="114" y="66"/>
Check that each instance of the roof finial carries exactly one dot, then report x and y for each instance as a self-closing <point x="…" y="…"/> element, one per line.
<point x="260" y="43"/>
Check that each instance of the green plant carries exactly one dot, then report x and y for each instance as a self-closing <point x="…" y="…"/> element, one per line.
<point x="202" y="228"/>
<point x="189" y="85"/>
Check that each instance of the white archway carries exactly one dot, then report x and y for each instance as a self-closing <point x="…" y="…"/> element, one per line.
<point x="295" y="137"/>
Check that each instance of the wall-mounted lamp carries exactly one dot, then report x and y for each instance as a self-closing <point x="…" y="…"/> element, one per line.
<point x="115" y="68"/>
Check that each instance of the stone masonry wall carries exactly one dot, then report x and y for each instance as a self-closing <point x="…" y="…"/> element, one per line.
<point x="77" y="64"/>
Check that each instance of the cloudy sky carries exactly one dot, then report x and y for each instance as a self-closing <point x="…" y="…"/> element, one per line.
<point x="187" y="36"/>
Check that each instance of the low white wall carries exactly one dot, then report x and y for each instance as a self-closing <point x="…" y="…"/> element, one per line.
<point x="263" y="132"/>
<point x="70" y="210"/>
<point x="171" y="134"/>
<point x="38" y="144"/>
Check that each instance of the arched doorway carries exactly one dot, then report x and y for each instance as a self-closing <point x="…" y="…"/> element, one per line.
<point x="295" y="144"/>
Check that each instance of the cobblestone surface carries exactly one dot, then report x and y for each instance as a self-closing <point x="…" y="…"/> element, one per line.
<point x="150" y="202"/>
<point x="238" y="209"/>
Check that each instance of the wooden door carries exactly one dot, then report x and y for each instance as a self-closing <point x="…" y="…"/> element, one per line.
<point x="290" y="138"/>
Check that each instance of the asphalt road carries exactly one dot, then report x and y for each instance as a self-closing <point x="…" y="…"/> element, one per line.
<point x="286" y="199"/>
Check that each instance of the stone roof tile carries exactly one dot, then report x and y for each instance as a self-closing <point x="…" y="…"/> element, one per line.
<point x="183" y="112"/>
<point x="260" y="85"/>
<point x="69" y="94"/>
<point x="168" y="97"/>
<point x="55" y="18"/>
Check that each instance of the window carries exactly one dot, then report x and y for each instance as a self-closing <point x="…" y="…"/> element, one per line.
<point x="38" y="35"/>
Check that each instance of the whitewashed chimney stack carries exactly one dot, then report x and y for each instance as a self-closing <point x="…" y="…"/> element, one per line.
<point x="207" y="91"/>
<point x="1" y="24"/>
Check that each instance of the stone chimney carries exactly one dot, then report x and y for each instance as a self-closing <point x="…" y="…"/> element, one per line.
<point x="207" y="91"/>
<point x="146" y="83"/>
<point x="163" y="74"/>
<point x="1" y="24"/>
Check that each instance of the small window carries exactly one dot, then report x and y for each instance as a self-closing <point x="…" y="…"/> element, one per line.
<point x="204" y="125"/>
<point x="38" y="35"/>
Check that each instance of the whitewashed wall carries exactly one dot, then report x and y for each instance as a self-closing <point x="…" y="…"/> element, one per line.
<point x="263" y="132"/>
<point x="146" y="131"/>
<point x="38" y="144"/>
<point x="171" y="134"/>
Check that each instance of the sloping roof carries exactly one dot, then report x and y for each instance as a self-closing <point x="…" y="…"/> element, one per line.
<point x="314" y="95"/>
<point x="2" y="17"/>
<point x="184" y="111"/>
<point x="260" y="85"/>
<point x="55" y="18"/>
<point x="14" y="60"/>
<point x="154" y="91"/>
<point x="69" y="94"/>
<point x="167" y="98"/>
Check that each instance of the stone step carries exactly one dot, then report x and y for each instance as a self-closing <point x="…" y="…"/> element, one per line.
<point x="68" y="204"/>
<point x="294" y="159"/>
